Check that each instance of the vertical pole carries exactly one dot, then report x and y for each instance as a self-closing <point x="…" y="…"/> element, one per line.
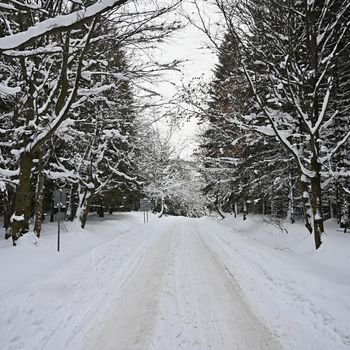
<point x="147" y="214"/>
<point x="59" y="221"/>
<point x="144" y="217"/>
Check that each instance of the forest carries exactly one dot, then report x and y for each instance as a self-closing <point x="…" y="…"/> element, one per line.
<point x="75" y="104"/>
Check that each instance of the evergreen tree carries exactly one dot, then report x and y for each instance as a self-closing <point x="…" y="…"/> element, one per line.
<point x="290" y="56"/>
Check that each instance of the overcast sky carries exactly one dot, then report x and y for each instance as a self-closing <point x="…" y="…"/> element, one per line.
<point x="187" y="45"/>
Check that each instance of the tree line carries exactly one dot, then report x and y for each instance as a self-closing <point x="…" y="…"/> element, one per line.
<point x="277" y="122"/>
<point x="69" y="113"/>
<point x="275" y="115"/>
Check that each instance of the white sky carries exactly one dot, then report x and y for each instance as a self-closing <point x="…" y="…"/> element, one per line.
<point x="188" y="45"/>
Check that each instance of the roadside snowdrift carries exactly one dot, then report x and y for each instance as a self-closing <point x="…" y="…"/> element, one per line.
<point x="48" y="298"/>
<point x="302" y="294"/>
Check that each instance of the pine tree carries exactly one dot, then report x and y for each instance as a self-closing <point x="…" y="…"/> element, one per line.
<point x="289" y="51"/>
<point x="46" y="64"/>
<point x="240" y="163"/>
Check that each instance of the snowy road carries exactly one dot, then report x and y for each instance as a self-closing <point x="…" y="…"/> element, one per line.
<point x="175" y="283"/>
<point x="179" y="296"/>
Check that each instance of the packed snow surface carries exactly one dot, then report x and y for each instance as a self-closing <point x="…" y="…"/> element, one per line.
<point x="176" y="283"/>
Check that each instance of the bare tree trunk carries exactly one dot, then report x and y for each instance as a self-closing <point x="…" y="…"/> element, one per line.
<point x="39" y="199"/>
<point x="52" y="210"/>
<point x="73" y="202"/>
<point x="155" y="208"/>
<point x="84" y="205"/>
<point x="217" y="207"/>
<point x="20" y="217"/>
<point x="162" y="208"/>
<point x="342" y="206"/>
<point x="290" y="214"/>
<point x="274" y="202"/>
<point x="317" y="209"/>
<point x="101" y="211"/>
<point x="344" y="212"/>
<point x="316" y="200"/>
<point x="263" y="207"/>
<point x="331" y="210"/>
<point x="84" y="216"/>
<point x="245" y="210"/>
<point x="7" y="212"/>
<point x="306" y="203"/>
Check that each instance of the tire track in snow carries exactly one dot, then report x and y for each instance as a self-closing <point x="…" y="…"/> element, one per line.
<point x="56" y="311"/>
<point x="179" y="296"/>
<point x="202" y="307"/>
<point x="277" y="283"/>
<point x="128" y="324"/>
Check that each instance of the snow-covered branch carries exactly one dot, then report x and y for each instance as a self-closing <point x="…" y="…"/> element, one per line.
<point x="58" y="23"/>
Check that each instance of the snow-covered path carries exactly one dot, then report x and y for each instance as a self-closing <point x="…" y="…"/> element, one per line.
<point x="175" y="283"/>
<point x="179" y="296"/>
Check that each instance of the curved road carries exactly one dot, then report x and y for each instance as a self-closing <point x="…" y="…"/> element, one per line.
<point x="179" y="296"/>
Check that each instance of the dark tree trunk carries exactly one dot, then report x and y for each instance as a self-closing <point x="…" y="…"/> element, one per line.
<point x="317" y="203"/>
<point x="217" y="207"/>
<point x="245" y="210"/>
<point x="73" y="202"/>
<point x="263" y="207"/>
<point x="84" y="206"/>
<point x="162" y="208"/>
<point x="20" y="221"/>
<point x="306" y="204"/>
<point x="39" y="200"/>
<point x="7" y="213"/>
<point x="317" y="210"/>
<point x="291" y="215"/>
<point x="52" y="211"/>
<point x="84" y="215"/>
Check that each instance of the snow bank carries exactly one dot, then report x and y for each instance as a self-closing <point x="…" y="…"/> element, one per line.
<point x="303" y="295"/>
<point x="48" y="298"/>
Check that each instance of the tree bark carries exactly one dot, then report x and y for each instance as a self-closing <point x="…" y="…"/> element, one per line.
<point x="306" y="204"/>
<point x="84" y="206"/>
<point x="317" y="209"/>
<point x="344" y="211"/>
<point x="101" y="211"/>
<point x="7" y="213"/>
<point x="217" y="207"/>
<point x="331" y="211"/>
<point x="20" y="217"/>
<point x="245" y="210"/>
<point x="52" y="210"/>
<point x="290" y="214"/>
<point x="162" y="208"/>
<point x="84" y="215"/>
<point x="263" y="207"/>
<point x="39" y="200"/>
<point x="73" y="202"/>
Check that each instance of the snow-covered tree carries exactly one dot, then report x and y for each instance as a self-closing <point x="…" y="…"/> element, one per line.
<point x="44" y="68"/>
<point x="289" y="53"/>
<point x="173" y="184"/>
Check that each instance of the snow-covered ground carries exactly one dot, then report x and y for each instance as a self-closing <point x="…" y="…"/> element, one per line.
<point x="176" y="283"/>
<point x="302" y="295"/>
